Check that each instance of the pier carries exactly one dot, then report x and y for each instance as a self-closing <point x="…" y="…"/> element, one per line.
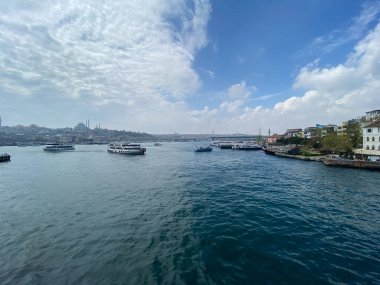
<point x="373" y="165"/>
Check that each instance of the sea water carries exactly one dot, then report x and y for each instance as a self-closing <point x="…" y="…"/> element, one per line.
<point x="174" y="216"/>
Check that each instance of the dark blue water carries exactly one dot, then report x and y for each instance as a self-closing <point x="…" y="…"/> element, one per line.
<point x="178" y="217"/>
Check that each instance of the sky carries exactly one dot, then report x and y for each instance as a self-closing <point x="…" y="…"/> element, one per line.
<point x="188" y="66"/>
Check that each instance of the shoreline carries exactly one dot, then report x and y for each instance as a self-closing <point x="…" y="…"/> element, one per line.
<point x="339" y="162"/>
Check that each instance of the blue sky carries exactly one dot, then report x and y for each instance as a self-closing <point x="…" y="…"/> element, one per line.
<point x="189" y="66"/>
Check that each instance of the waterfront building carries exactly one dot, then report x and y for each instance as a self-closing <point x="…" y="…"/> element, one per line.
<point x="371" y="142"/>
<point x="329" y="129"/>
<point x="67" y="139"/>
<point x="342" y="129"/>
<point x="310" y="133"/>
<point x="372" y="115"/>
<point x="371" y="136"/>
<point x="273" y="139"/>
<point x="291" y="133"/>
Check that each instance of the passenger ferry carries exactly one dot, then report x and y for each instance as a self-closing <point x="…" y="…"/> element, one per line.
<point x="247" y="146"/>
<point x="126" y="148"/>
<point x="57" y="147"/>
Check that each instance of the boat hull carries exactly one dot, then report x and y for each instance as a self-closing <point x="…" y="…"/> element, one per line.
<point x="247" y="148"/>
<point x="203" y="149"/>
<point x="5" y="157"/>
<point x="140" y="151"/>
<point x="58" y="150"/>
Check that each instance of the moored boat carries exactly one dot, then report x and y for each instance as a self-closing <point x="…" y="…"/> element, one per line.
<point x="5" y="157"/>
<point x="126" y="148"/>
<point x="57" y="147"/>
<point x="246" y="146"/>
<point x="202" y="149"/>
<point x="225" y="145"/>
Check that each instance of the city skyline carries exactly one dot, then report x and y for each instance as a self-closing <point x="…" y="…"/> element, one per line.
<point x="189" y="66"/>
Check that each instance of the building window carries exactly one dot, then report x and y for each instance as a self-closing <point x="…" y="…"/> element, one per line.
<point x="367" y="139"/>
<point x="373" y="139"/>
<point x="367" y="147"/>
<point x="369" y="130"/>
<point x="373" y="147"/>
<point x="378" y="147"/>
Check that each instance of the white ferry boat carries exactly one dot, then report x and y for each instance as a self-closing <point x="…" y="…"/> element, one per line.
<point x="56" y="147"/>
<point x="126" y="148"/>
<point x="247" y="146"/>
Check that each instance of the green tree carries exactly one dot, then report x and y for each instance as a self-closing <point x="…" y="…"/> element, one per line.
<point x="336" y="144"/>
<point x="354" y="133"/>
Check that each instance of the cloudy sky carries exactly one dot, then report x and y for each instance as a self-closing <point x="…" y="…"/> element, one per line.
<point x="188" y="66"/>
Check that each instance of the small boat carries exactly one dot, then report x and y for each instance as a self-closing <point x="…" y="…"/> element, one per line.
<point x="203" y="149"/>
<point x="57" y="147"/>
<point x="5" y="157"/>
<point x="157" y="144"/>
<point x="126" y="148"/>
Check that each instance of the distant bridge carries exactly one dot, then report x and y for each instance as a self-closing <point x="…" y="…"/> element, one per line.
<point x="235" y="138"/>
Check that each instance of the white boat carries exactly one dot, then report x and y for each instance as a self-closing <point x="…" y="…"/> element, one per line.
<point x="56" y="147"/>
<point x="247" y="146"/>
<point x="126" y="148"/>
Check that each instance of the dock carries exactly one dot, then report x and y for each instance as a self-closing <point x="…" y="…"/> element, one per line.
<point x="373" y="165"/>
<point x="327" y="160"/>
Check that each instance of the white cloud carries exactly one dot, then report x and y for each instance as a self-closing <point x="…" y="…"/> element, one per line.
<point x="237" y="95"/>
<point x="352" y="31"/>
<point x="131" y="64"/>
<point x="211" y="74"/>
<point x="106" y="51"/>
<point x="332" y="95"/>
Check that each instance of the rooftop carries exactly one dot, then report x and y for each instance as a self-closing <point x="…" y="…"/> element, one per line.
<point x="374" y="111"/>
<point x="374" y="125"/>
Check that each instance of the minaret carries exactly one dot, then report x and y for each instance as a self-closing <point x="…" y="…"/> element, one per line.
<point x="269" y="133"/>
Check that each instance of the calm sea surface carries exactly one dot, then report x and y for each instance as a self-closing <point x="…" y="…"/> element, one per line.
<point x="178" y="217"/>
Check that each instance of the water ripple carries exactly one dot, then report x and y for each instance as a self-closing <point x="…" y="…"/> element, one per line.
<point x="176" y="217"/>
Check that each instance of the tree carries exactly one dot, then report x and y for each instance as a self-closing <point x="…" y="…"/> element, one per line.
<point x="336" y="144"/>
<point x="354" y="133"/>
